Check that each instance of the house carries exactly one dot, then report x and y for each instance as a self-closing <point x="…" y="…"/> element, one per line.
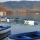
<point x="2" y="13"/>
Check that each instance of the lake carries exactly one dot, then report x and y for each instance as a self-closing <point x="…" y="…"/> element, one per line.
<point x="21" y="28"/>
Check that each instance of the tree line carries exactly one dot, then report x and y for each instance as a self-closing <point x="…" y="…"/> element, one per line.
<point x="19" y="12"/>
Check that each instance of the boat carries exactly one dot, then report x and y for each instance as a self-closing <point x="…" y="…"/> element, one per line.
<point x="16" y="19"/>
<point x="25" y="36"/>
<point x="4" y="35"/>
<point x="30" y="22"/>
<point x="10" y="19"/>
<point x="3" y="19"/>
<point x="4" y="29"/>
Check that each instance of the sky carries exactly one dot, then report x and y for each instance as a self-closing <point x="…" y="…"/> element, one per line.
<point x="17" y="0"/>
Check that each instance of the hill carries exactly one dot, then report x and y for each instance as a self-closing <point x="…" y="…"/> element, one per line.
<point x="20" y="4"/>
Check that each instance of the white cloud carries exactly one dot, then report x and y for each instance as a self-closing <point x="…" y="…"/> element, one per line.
<point x="17" y="0"/>
<point x="8" y="0"/>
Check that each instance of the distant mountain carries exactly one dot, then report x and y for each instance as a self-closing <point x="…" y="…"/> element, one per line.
<point x="21" y="4"/>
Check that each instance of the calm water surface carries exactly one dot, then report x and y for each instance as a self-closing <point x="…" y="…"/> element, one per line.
<point x="21" y="28"/>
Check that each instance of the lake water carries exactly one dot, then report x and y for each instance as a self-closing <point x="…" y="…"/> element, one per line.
<point x="21" y="28"/>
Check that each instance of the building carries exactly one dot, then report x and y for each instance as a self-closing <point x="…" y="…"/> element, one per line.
<point x="2" y="13"/>
<point x="3" y="16"/>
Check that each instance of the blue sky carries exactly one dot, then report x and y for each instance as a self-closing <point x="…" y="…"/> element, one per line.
<point x="17" y="0"/>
